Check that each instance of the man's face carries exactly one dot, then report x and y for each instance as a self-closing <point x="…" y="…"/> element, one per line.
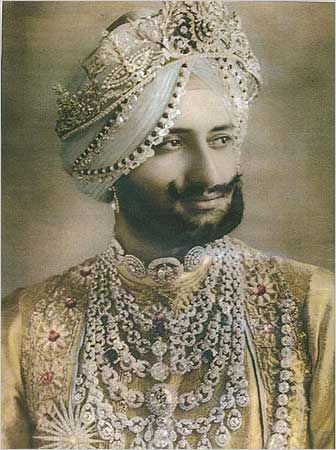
<point x="185" y="191"/>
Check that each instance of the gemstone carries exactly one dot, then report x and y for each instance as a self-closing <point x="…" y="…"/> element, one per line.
<point x="159" y="325"/>
<point x="282" y="399"/>
<point x="285" y="375"/>
<point x="242" y="398"/>
<point x="285" y="363"/>
<point x="207" y="356"/>
<point x="70" y="302"/>
<point x="104" y="319"/>
<point x="281" y="413"/>
<point x="283" y="387"/>
<point x="281" y="426"/>
<point x="111" y="355"/>
<point x="261" y="289"/>
<point x="53" y="336"/>
<point x="286" y="352"/>
<point x="159" y="371"/>
<point x="276" y="441"/>
<point x="159" y="348"/>
<point x="222" y="436"/>
<point x="234" y="420"/>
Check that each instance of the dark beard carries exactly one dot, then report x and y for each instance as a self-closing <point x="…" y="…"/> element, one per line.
<point x="169" y="229"/>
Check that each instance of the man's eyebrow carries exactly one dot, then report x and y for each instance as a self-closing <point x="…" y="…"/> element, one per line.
<point x="222" y="128"/>
<point x="213" y="130"/>
<point x="179" y="130"/>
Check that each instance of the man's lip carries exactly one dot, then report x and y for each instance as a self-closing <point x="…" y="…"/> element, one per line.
<point x="203" y="203"/>
<point x="203" y="198"/>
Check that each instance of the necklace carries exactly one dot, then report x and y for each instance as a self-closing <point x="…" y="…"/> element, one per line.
<point x="125" y="342"/>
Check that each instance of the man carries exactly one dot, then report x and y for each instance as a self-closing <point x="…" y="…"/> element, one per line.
<point x="175" y="336"/>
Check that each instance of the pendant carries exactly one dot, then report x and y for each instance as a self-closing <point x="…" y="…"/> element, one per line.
<point x="160" y="371"/>
<point x="161" y="400"/>
<point x="222" y="436"/>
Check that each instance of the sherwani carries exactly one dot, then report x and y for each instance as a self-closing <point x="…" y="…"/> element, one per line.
<point x="43" y="328"/>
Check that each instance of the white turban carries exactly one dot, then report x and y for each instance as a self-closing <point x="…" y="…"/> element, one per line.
<point x="149" y="108"/>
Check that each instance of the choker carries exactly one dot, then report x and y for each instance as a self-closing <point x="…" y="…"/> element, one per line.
<point x="163" y="271"/>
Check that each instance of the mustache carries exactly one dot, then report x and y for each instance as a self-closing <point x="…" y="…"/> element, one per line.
<point x="196" y="189"/>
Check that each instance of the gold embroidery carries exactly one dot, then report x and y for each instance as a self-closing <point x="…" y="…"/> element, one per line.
<point x="49" y="342"/>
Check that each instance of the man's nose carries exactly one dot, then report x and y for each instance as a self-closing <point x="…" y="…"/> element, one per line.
<point x="202" y="168"/>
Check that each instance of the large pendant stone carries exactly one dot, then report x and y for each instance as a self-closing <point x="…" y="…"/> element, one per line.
<point x="161" y="400"/>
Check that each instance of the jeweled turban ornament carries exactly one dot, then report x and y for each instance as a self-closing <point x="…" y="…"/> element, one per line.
<point x="140" y="63"/>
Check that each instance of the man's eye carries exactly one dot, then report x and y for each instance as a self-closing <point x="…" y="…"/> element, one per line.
<point x="220" y="141"/>
<point x="170" y="143"/>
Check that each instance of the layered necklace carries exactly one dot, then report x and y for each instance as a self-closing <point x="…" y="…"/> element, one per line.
<point x="127" y="340"/>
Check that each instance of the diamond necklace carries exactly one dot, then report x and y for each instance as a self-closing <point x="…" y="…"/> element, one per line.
<point x="124" y="342"/>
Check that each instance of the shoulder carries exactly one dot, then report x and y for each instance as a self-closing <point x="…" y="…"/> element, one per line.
<point x="69" y="289"/>
<point x="269" y="278"/>
<point x="312" y="283"/>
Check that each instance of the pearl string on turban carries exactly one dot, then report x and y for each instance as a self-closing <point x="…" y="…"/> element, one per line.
<point x="135" y="79"/>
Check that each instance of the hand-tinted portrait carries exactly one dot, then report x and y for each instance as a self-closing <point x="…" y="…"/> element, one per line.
<point x="167" y="193"/>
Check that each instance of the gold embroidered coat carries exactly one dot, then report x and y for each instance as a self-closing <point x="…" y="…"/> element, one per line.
<point x="43" y="328"/>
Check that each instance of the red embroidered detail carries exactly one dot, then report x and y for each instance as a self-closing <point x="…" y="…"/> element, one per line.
<point x="70" y="302"/>
<point x="53" y="335"/>
<point x="269" y="328"/>
<point x="261" y="289"/>
<point x="46" y="378"/>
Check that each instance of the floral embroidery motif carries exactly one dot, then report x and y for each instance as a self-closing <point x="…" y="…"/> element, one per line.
<point x="53" y="336"/>
<point x="81" y="276"/>
<point x="70" y="303"/>
<point x="262" y="288"/>
<point x="46" y="378"/>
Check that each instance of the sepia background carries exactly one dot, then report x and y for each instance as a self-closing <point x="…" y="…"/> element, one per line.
<point x="288" y="156"/>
